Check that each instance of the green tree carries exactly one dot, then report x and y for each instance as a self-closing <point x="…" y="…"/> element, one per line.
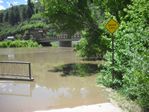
<point x="76" y="16"/>
<point x="5" y="18"/>
<point x="115" y="7"/>
<point x="23" y="14"/>
<point x="11" y="16"/>
<point x="16" y="15"/>
<point x="82" y="15"/>
<point x="30" y="9"/>
<point x="1" y="17"/>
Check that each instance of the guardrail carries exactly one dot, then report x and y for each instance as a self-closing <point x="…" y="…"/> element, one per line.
<point x="15" y="70"/>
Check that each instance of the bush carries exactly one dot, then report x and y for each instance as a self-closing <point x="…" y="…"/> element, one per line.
<point x="19" y="43"/>
<point x="18" y="36"/>
<point x="131" y="55"/>
<point x="92" y="46"/>
<point x="136" y="87"/>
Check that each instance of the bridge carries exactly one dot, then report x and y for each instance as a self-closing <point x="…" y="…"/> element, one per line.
<point x="64" y="39"/>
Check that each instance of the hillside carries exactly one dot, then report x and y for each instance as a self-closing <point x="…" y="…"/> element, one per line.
<point x="19" y="20"/>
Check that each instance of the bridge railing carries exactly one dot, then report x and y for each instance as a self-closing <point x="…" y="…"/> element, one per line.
<point x="62" y="37"/>
<point x="15" y="70"/>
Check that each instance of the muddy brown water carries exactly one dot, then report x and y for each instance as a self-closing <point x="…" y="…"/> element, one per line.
<point x="49" y="90"/>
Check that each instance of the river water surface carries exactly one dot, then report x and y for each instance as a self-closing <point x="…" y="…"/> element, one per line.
<point x="49" y="90"/>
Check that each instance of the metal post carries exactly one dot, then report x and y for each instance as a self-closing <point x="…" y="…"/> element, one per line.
<point x="113" y="75"/>
<point x="30" y="70"/>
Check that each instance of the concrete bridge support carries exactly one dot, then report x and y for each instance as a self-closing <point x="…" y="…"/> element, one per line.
<point x="45" y="43"/>
<point x="65" y="43"/>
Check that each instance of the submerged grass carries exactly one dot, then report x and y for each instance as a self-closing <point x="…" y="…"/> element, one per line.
<point x="77" y="69"/>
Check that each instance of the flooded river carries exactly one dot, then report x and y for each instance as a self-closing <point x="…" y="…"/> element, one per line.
<point x="50" y="89"/>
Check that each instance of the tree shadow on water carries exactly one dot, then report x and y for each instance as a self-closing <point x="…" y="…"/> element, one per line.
<point x="77" y="69"/>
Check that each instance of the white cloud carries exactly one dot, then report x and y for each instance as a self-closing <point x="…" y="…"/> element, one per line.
<point x="8" y="3"/>
<point x="15" y="3"/>
<point x="25" y="1"/>
<point x="2" y="7"/>
<point x="1" y="1"/>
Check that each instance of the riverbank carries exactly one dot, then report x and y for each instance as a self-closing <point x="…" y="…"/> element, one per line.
<point x="104" y="107"/>
<point x="121" y="101"/>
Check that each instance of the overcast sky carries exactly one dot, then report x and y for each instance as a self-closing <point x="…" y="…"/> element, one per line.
<point x="6" y="3"/>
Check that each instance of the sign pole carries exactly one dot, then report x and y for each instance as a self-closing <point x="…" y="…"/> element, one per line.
<point x="112" y="26"/>
<point x="112" y="56"/>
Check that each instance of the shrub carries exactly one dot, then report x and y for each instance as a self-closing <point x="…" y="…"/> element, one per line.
<point x="19" y="43"/>
<point x="92" y="46"/>
<point x="131" y="55"/>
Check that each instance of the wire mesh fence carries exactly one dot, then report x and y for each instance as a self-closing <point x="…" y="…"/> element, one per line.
<point x="15" y="70"/>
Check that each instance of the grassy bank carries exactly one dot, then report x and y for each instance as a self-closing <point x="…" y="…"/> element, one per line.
<point x="126" y="104"/>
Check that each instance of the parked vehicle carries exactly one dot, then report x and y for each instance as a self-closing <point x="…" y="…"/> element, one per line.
<point x="10" y="38"/>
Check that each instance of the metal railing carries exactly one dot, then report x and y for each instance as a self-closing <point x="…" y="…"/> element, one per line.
<point x="62" y="37"/>
<point x="15" y="70"/>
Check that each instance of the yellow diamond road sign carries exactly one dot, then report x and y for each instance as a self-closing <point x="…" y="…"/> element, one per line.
<point x="112" y="25"/>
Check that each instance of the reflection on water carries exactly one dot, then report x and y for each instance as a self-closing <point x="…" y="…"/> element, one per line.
<point x="77" y="69"/>
<point x="49" y="89"/>
<point x="9" y="88"/>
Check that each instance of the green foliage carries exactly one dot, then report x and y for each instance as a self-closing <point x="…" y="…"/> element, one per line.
<point x="11" y="17"/>
<point x="136" y="87"/>
<point x="131" y="55"/>
<point x="92" y="46"/>
<point x="30" y="9"/>
<point x="19" y="13"/>
<point x="1" y="16"/>
<point x="81" y="47"/>
<point x="18" y="36"/>
<point x="6" y="29"/>
<point x="79" y="16"/>
<point x="5" y="17"/>
<point x="115" y="7"/>
<point x="67" y="15"/>
<point x="105" y="77"/>
<point x="17" y="16"/>
<point x="19" y="43"/>
<point x="32" y="25"/>
<point x="83" y="16"/>
<point x="15" y="20"/>
<point x="14" y="14"/>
